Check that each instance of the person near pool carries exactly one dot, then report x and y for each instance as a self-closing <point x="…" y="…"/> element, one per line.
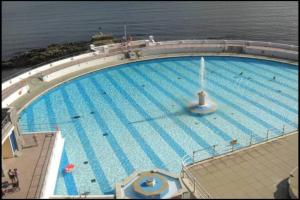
<point x="16" y="175"/>
<point x="11" y="175"/>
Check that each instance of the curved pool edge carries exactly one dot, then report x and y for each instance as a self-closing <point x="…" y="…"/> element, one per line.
<point x="21" y="103"/>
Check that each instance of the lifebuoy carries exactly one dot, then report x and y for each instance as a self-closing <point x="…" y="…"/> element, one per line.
<point x="69" y="168"/>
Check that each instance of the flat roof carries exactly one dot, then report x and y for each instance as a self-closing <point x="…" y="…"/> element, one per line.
<point x="261" y="171"/>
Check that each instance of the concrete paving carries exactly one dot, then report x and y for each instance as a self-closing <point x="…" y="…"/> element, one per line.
<point x="32" y="165"/>
<point x="37" y="87"/>
<point x="261" y="171"/>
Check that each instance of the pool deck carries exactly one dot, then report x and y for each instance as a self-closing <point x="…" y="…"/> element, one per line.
<point x="38" y="87"/>
<point x="31" y="165"/>
<point x="261" y="171"/>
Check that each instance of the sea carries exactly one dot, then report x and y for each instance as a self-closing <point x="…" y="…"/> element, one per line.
<point x="36" y="24"/>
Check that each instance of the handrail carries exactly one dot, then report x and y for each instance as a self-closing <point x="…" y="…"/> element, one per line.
<point x="196" y="185"/>
<point x="223" y="150"/>
<point x="247" y="142"/>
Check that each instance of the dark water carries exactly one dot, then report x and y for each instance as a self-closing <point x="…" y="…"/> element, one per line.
<point x="27" y="25"/>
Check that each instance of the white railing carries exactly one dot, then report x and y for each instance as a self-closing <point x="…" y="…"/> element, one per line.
<point x="218" y="150"/>
<point x="53" y="167"/>
<point x="276" y="50"/>
<point x="197" y="189"/>
<point x="139" y="42"/>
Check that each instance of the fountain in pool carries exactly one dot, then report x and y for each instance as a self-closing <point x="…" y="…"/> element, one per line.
<point x="154" y="184"/>
<point x="204" y="104"/>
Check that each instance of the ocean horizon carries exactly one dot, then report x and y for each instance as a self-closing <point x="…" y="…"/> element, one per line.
<point x="30" y="25"/>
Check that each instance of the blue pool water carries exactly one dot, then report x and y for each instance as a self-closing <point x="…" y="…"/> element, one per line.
<point x="135" y="116"/>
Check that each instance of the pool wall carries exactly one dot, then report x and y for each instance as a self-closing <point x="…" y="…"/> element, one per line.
<point x="54" y="70"/>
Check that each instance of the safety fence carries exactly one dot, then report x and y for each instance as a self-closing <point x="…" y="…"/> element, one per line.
<point x="218" y="150"/>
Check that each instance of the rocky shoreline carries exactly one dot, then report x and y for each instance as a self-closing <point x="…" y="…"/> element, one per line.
<point x="37" y="57"/>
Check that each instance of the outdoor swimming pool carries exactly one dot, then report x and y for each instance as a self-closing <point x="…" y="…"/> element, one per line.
<point x="135" y="117"/>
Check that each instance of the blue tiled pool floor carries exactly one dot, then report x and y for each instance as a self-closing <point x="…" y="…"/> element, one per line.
<point x="135" y="116"/>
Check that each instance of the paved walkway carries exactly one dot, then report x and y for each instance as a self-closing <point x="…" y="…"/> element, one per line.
<point x="37" y="86"/>
<point x="261" y="171"/>
<point x="31" y="165"/>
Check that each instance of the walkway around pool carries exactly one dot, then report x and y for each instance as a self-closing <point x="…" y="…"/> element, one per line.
<point x="261" y="171"/>
<point x="31" y="165"/>
<point x="37" y="86"/>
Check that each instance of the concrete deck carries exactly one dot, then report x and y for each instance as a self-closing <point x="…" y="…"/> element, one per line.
<point x="260" y="171"/>
<point x="31" y="165"/>
<point x="38" y="87"/>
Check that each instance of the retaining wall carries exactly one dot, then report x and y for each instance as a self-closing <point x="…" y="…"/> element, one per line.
<point x="80" y="66"/>
<point x="272" y="50"/>
<point x="14" y="96"/>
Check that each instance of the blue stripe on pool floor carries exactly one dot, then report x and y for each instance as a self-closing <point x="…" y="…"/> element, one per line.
<point x="178" y="122"/>
<point x="68" y="177"/>
<point x="88" y="149"/>
<point x="30" y="119"/>
<point x="241" y="97"/>
<point x="205" y="122"/>
<point x="260" y="84"/>
<point x="247" y="69"/>
<point x="162" y="132"/>
<point x="126" y="164"/>
<point x="131" y="129"/>
<point x="236" y="123"/>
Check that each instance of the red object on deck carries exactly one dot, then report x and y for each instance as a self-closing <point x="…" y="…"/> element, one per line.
<point x="69" y="168"/>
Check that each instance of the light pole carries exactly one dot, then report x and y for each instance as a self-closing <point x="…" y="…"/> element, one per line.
<point x="125" y="36"/>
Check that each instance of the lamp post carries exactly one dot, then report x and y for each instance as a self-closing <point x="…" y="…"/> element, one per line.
<point x="125" y="36"/>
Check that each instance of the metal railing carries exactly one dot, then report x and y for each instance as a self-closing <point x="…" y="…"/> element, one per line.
<point x="236" y="144"/>
<point x="218" y="150"/>
<point x="5" y="121"/>
<point x="197" y="189"/>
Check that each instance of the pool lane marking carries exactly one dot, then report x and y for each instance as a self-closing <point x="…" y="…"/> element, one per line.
<point x="68" y="178"/>
<point x="279" y="103"/>
<point x="50" y="112"/>
<point x="260" y="121"/>
<point x="254" y="103"/>
<point x="181" y="125"/>
<point x="254" y="81"/>
<point x="234" y="106"/>
<point x="248" y="68"/>
<point x="264" y="66"/>
<point x="131" y="129"/>
<point x="284" y="106"/>
<point x="169" y="95"/>
<point x="202" y="120"/>
<point x="30" y="119"/>
<point x="126" y="164"/>
<point x="86" y="144"/>
<point x="161" y="131"/>
<point x="251" y="73"/>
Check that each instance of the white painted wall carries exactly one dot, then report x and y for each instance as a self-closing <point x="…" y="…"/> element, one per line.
<point x="80" y="66"/>
<point x="40" y="69"/>
<point x="14" y="96"/>
<point x="53" y="167"/>
<point x="178" y="46"/>
<point x="271" y="52"/>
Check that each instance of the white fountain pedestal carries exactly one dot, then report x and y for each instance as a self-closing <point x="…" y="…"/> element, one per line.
<point x="204" y="105"/>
